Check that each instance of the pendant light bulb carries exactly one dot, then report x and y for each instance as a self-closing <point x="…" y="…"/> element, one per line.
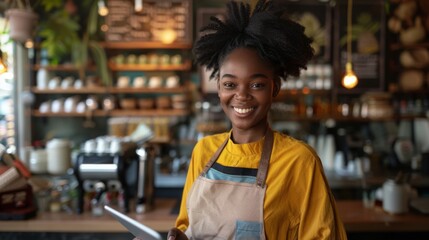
<point x="138" y="5"/>
<point x="102" y="8"/>
<point x="350" y="79"/>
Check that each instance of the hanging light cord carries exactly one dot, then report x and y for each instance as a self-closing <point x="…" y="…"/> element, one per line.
<point x="349" y="31"/>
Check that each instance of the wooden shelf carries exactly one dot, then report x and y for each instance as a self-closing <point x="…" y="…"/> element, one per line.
<point x="84" y="90"/>
<point x="293" y="93"/>
<point x="106" y="90"/>
<point x="399" y="46"/>
<point x="140" y="67"/>
<point x="145" y="45"/>
<point x="344" y="118"/>
<point x="62" y="68"/>
<point x="119" y="113"/>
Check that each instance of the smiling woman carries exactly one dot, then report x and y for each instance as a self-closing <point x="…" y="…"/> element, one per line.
<point x="253" y="182"/>
<point x="246" y="91"/>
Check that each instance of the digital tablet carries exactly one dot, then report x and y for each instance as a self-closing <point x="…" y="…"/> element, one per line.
<point x="137" y="229"/>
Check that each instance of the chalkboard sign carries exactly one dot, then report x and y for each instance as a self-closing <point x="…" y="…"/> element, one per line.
<point x="150" y="24"/>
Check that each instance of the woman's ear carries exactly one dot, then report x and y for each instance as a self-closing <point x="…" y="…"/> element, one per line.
<point x="277" y="85"/>
<point x="218" y="86"/>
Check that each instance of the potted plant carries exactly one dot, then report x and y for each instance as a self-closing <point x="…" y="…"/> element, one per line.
<point x="88" y="48"/>
<point x="22" y="20"/>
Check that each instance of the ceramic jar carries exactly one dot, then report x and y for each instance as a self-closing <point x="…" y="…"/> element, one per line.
<point x="395" y="197"/>
<point x="58" y="156"/>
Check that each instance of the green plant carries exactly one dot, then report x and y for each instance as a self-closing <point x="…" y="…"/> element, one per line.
<point x="64" y="34"/>
<point x="58" y="30"/>
<point x="89" y="48"/>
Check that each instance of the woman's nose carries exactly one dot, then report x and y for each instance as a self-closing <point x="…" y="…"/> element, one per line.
<point x="242" y="93"/>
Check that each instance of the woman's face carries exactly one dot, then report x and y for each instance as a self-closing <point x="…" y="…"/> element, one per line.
<point x="246" y="89"/>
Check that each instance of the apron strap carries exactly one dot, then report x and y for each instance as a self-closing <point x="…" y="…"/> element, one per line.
<point x="265" y="159"/>
<point x="214" y="157"/>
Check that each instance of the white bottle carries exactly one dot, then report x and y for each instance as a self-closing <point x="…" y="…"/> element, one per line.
<point x="42" y="78"/>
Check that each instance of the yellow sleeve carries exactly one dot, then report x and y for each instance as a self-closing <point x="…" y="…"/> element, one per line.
<point x="182" y="221"/>
<point x="195" y="168"/>
<point x="319" y="215"/>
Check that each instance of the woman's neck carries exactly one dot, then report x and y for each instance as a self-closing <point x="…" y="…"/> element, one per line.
<point x="248" y="135"/>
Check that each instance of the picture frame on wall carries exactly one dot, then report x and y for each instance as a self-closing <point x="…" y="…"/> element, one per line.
<point x="316" y="17"/>
<point x="368" y="37"/>
<point x="203" y="18"/>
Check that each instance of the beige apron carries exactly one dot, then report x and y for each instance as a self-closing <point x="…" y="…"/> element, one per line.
<point x="220" y="209"/>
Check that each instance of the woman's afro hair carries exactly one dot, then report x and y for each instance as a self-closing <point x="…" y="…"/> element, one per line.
<point x="277" y="39"/>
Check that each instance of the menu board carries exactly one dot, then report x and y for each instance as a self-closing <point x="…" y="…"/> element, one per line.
<point x="156" y="18"/>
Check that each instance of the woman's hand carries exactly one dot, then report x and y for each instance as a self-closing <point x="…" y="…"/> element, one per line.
<point x="176" y="234"/>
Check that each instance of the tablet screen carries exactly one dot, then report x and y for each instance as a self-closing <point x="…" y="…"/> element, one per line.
<point x="136" y="228"/>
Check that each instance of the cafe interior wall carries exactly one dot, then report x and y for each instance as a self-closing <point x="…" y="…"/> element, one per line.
<point x="72" y="129"/>
<point x="382" y="132"/>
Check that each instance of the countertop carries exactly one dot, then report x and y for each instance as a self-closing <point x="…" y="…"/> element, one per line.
<point x="355" y="216"/>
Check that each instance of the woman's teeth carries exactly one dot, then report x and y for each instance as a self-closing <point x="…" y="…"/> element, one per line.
<point x="243" y="110"/>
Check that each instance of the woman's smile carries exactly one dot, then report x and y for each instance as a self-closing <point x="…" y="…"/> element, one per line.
<point x="243" y="110"/>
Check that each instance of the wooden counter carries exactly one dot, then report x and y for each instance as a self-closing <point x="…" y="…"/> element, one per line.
<point x="356" y="218"/>
<point x="159" y="219"/>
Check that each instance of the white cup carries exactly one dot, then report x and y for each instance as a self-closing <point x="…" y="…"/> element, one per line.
<point x="57" y="105"/>
<point x="81" y="107"/>
<point x="54" y="83"/>
<point x="70" y="104"/>
<point x="67" y="82"/>
<point x="139" y="82"/>
<point x="155" y="82"/>
<point x="90" y="146"/>
<point x="123" y="81"/>
<point x="115" y="146"/>
<point x="78" y="83"/>
<point x="172" y="81"/>
<point x="45" y="107"/>
<point x="102" y="145"/>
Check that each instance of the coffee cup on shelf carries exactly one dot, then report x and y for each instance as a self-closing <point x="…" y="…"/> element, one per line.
<point x="54" y="83"/>
<point x="78" y="84"/>
<point x="81" y="107"/>
<point x="155" y="82"/>
<point x="45" y="107"/>
<point x="139" y="82"/>
<point x="123" y="81"/>
<point x="70" y="104"/>
<point x="67" y="82"/>
<point x="172" y="81"/>
<point x="57" y="105"/>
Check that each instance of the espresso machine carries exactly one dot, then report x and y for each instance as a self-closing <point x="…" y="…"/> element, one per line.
<point x="98" y="173"/>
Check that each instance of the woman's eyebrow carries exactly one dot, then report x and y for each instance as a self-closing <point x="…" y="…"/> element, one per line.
<point x="256" y="75"/>
<point x="259" y="75"/>
<point x="227" y="75"/>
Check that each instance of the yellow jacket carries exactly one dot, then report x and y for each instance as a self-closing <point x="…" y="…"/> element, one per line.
<point x="298" y="201"/>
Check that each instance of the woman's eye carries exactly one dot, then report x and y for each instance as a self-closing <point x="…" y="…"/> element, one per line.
<point x="257" y="85"/>
<point x="228" y="85"/>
